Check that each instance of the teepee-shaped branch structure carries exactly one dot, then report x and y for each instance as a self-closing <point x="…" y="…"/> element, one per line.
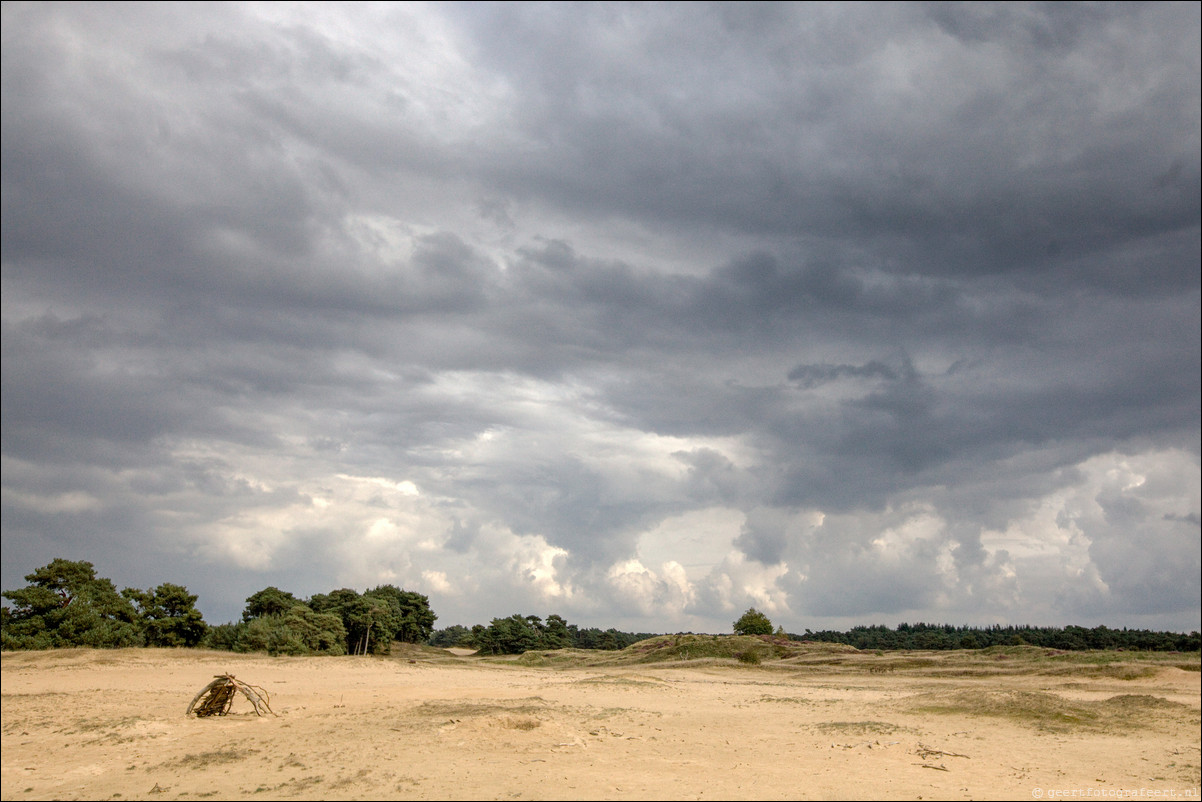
<point x="216" y="698"/>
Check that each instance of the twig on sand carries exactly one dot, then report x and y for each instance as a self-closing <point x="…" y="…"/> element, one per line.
<point x="926" y="751"/>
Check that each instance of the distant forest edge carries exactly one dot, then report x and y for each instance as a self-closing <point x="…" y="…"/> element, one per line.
<point x="66" y="605"/>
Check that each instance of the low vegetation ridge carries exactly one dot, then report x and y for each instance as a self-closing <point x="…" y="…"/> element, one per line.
<point x="774" y="652"/>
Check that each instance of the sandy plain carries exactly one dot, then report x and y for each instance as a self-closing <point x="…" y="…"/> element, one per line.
<point x="430" y="724"/>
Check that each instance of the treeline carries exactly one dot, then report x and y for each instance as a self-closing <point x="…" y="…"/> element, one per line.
<point x="946" y="636"/>
<point x="66" y="604"/>
<point x="517" y="634"/>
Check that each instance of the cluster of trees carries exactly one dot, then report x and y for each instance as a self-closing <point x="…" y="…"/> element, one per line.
<point x="946" y="636"/>
<point x="517" y="634"/>
<point x="340" y="622"/>
<point x="66" y="604"/>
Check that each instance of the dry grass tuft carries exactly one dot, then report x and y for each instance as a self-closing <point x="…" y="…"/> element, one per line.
<point x="859" y="727"/>
<point x="213" y="758"/>
<point x="519" y="723"/>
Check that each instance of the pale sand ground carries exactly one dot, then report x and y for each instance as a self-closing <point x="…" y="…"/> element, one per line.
<point x="82" y="724"/>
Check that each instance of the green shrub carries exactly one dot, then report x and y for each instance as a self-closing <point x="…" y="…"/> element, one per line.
<point x="753" y="622"/>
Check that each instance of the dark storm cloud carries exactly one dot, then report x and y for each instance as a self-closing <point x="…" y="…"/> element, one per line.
<point x="810" y="376"/>
<point x="952" y="154"/>
<point x="578" y="272"/>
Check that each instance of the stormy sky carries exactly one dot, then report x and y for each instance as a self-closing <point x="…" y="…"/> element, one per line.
<point x="638" y="314"/>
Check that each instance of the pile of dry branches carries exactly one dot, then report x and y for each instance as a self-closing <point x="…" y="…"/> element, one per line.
<point x="218" y="696"/>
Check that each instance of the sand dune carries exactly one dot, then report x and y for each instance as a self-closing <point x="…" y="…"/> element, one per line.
<point x="426" y="724"/>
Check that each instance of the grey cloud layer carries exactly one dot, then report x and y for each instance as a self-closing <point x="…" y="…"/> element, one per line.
<point x="577" y="272"/>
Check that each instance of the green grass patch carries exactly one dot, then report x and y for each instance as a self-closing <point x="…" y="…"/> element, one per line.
<point x="567" y="658"/>
<point x="1047" y="711"/>
<point x="746" y="649"/>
